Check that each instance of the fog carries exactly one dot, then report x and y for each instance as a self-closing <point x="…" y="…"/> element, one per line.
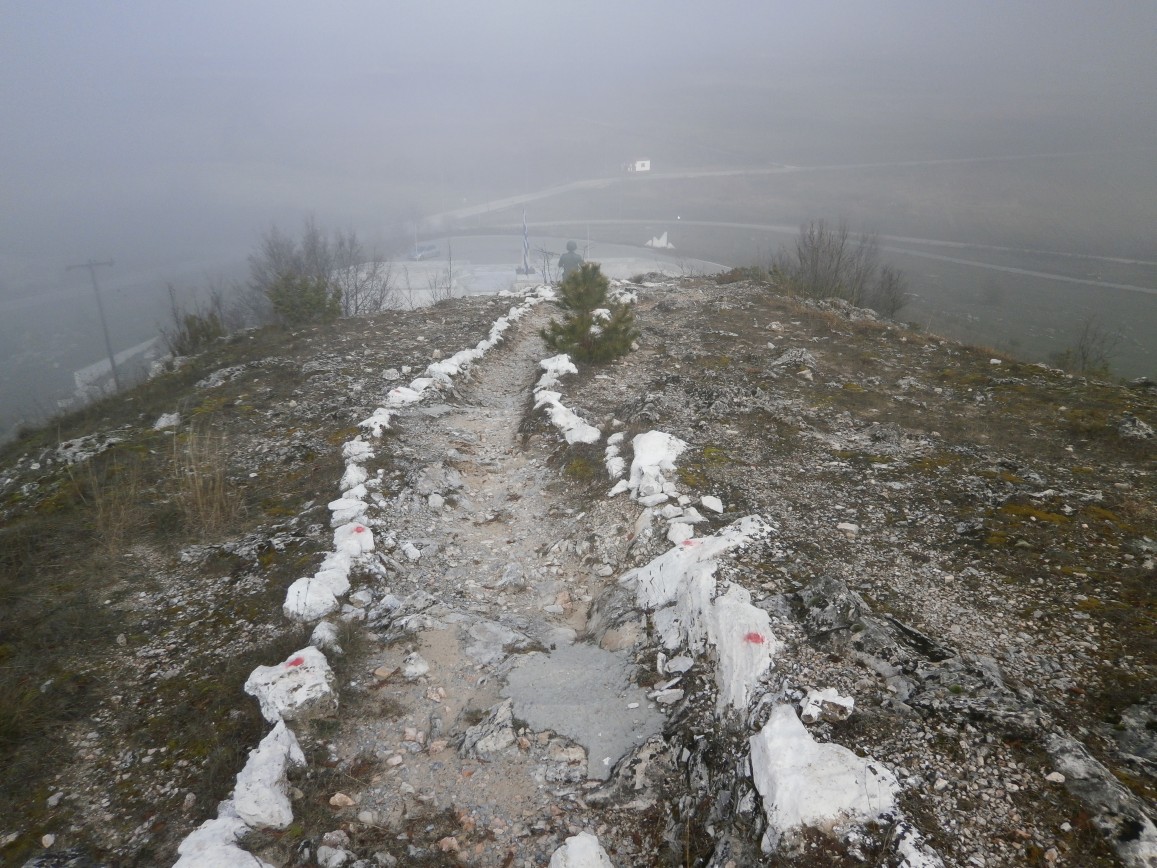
<point x="168" y="137"/>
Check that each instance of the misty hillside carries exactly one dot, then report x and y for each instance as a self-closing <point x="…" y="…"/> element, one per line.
<point x="786" y="584"/>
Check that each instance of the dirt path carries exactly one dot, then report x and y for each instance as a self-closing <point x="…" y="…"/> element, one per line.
<point x="505" y="576"/>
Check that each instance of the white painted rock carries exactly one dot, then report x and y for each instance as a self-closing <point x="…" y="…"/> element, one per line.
<point x="354" y="476"/>
<point x="213" y="844"/>
<point x="345" y="510"/>
<point x="357" y="451"/>
<point x="654" y="454"/>
<point x="581" y="851"/>
<point x="353" y="539"/>
<point x="711" y="502"/>
<point x="805" y="783"/>
<point x="309" y="600"/>
<point x="299" y="688"/>
<point x="261" y="797"/>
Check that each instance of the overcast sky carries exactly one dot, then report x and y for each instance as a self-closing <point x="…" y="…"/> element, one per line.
<point x="162" y="131"/>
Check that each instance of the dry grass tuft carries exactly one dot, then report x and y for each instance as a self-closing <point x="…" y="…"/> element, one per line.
<point x="207" y="499"/>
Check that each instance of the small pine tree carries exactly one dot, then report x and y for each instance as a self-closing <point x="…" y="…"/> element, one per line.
<point x="299" y="300"/>
<point x="593" y="329"/>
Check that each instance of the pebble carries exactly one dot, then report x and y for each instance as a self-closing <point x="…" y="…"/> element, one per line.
<point x="1055" y="777"/>
<point x="341" y="800"/>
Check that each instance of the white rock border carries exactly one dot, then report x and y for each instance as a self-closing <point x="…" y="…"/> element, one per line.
<point x="305" y="681"/>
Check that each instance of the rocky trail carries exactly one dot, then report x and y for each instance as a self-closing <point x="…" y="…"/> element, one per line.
<point x="489" y="592"/>
<point x="787" y="585"/>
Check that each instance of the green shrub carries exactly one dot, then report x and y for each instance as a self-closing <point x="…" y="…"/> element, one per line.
<point x="299" y="300"/>
<point x="584" y="335"/>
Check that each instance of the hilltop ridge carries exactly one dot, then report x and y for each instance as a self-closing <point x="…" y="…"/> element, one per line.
<point x="961" y="544"/>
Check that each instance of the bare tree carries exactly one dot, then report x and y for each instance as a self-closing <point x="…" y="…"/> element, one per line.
<point x="440" y="286"/>
<point x="338" y="263"/>
<point x="1093" y="351"/>
<point x="889" y="294"/>
<point x="366" y="282"/>
<point x="829" y="262"/>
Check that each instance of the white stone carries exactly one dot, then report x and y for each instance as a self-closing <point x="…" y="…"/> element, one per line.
<point x="261" y="796"/>
<point x="300" y="687"/>
<point x="677" y="532"/>
<point x="357" y="451"/>
<point x="354" y="476"/>
<point x="414" y="666"/>
<point x="309" y="600"/>
<point x="744" y="643"/>
<point x="335" y="578"/>
<point x="332" y="857"/>
<point x="711" y="502"/>
<point x="411" y="551"/>
<point x="581" y="851"/>
<point x="692" y="516"/>
<point x="851" y="531"/>
<point x="654" y="453"/>
<point x="826" y="704"/>
<point x="353" y="539"/>
<point x="325" y="636"/>
<point x="436" y="501"/>
<point x="167" y="420"/>
<point x="1055" y="778"/>
<point x="213" y="844"/>
<point x="804" y="783"/>
<point x="346" y="509"/>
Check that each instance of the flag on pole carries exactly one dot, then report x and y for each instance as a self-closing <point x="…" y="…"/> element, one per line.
<point x="525" y="246"/>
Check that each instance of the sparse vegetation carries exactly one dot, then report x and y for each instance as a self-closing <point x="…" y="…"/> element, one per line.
<point x="298" y="300"/>
<point x="192" y="331"/>
<point x="1092" y="352"/>
<point x="207" y="498"/>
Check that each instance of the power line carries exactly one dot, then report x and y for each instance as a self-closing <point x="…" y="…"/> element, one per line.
<point x="92" y="265"/>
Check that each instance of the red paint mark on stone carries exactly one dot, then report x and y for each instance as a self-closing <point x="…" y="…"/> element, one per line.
<point x="359" y="529"/>
<point x="296" y="661"/>
<point x="754" y="638"/>
<point x="687" y="543"/>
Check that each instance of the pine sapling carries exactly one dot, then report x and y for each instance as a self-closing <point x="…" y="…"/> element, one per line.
<point x="593" y="329"/>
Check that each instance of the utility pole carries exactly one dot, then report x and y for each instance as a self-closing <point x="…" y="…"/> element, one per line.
<point x="92" y="266"/>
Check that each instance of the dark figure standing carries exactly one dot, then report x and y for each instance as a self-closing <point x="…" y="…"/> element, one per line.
<point x="570" y="261"/>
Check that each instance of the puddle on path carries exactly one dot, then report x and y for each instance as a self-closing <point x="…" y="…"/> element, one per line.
<point x="585" y="694"/>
